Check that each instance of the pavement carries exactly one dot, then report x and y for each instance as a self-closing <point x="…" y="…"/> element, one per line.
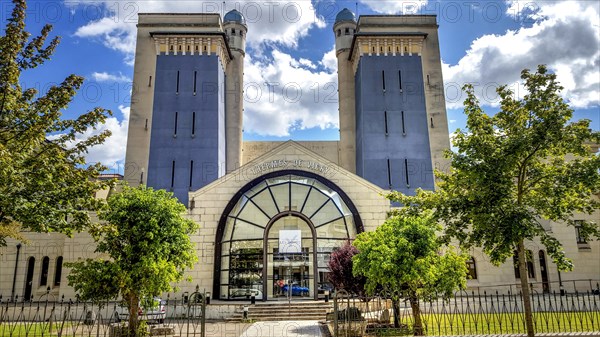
<point x="265" y="329"/>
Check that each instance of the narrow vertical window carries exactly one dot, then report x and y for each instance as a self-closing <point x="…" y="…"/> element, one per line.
<point x="383" y="79"/>
<point x="400" y="79"/>
<point x="406" y="172"/>
<point x="177" y="89"/>
<point x="173" y="174"/>
<point x="472" y="268"/>
<point x="386" y="122"/>
<point x="175" y="127"/>
<point x="44" y="276"/>
<point x="150" y="81"/>
<point x="193" y="123"/>
<point x="427" y="79"/>
<point x="58" y="271"/>
<point x="403" y="126"/>
<point x="191" y="172"/>
<point x="195" y="75"/>
<point x="389" y="173"/>
<point x="431" y="121"/>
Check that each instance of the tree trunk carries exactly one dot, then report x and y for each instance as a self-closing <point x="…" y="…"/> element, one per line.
<point x="416" y="311"/>
<point x="133" y="304"/>
<point x="396" y="307"/>
<point x="525" y="293"/>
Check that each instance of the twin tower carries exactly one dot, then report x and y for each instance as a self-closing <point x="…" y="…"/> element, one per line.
<point x="185" y="126"/>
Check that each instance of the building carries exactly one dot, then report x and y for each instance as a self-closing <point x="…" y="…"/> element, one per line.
<point x="274" y="211"/>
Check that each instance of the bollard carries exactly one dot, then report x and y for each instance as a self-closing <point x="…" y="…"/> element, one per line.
<point x="326" y="296"/>
<point x="252" y="299"/>
<point x="208" y="298"/>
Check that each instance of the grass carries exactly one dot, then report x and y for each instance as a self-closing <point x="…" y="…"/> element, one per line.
<point x="470" y="324"/>
<point x="30" y="329"/>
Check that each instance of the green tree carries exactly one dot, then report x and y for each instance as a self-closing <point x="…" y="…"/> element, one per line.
<point x="45" y="185"/>
<point x="405" y="254"/>
<point x="146" y="237"/>
<point x="526" y="163"/>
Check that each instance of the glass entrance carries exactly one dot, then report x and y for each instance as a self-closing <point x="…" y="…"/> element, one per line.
<point x="275" y="238"/>
<point x="290" y="258"/>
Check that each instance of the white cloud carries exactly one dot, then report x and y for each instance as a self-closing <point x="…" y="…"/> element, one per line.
<point x="276" y="21"/>
<point x="329" y="60"/>
<point x="111" y="153"/>
<point x="394" y="6"/>
<point x="114" y="32"/>
<point x="280" y="95"/>
<point x="564" y="37"/>
<point x="106" y="77"/>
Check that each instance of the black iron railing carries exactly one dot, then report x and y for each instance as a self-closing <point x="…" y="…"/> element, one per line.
<point x="474" y="312"/>
<point x="182" y="315"/>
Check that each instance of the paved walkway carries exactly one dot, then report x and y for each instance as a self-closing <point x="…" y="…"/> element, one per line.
<point x="265" y="329"/>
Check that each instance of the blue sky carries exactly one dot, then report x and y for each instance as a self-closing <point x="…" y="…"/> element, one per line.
<point x="290" y="74"/>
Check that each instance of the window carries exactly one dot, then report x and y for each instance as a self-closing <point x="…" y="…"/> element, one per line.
<point x="403" y="126"/>
<point x="472" y="268"/>
<point x="193" y="123"/>
<point x="578" y="232"/>
<point x="400" y="79"/>
<point x="44" y="276"/>
<point x="177" y="88"/>
<point x="172" y="174"/>
<point x="58" y="271"/>
<point x="530" y="267"/>
<point x="195" y="76"/>
<point x="385" y="116"/>
<point x="383" y="79"/>
<point x="339" y="32"/>
<point x="191" y="172"/>
<point x="232" y="31"/>
<point x="175" y="127"/>
<point x="406" y="172"/>
<point x="347" y="31"/>
<point x="389" y="173"/>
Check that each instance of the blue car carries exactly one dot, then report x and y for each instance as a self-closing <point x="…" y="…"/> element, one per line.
<point x="296" y="290"/>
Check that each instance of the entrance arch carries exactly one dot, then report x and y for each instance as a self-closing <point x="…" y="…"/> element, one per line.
<point x="252" y="256"/>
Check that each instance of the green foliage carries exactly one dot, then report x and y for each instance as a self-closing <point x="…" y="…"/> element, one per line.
<point x="527" y="163"/>
<point x="45" y="185"/>
<point x="405" y="254"/>
<point x="147" y="240"/>
<point x="94" y="280"/>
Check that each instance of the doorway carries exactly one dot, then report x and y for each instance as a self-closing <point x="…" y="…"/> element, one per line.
<point x="29" y="279"/>
<point x="290" y="258"/>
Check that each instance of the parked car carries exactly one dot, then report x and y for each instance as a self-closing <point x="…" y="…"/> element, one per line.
<point x="296" y="290"/>
<point x="326" y="287"/>
<point x="245" y="293"/>
<point x="151" y="310"/>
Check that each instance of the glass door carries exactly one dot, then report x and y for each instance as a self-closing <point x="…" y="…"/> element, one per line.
<point x="290" y="259"/>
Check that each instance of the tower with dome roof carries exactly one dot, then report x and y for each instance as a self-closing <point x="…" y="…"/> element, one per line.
<point x="186" y="108"/>
<point x="393" y="124"/>
<point x="234" y="25"/>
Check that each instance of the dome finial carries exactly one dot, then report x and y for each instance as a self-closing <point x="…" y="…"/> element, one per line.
<point x="345" y="15"/>
<point x="234" y="16"/>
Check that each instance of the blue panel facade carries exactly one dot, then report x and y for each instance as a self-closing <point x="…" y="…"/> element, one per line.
<point x="187" y="145"/>
<point x="392" y="140"/>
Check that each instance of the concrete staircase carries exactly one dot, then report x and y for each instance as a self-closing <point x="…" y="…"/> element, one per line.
<point x="284" y="311"/>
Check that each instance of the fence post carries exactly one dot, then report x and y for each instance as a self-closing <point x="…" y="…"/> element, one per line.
<point x="335" y="314"/>
<point x="203" y="321"/>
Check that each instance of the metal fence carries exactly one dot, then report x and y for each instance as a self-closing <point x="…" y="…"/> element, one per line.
<point x="478" y="312"/>
<point x="182" y="315"/>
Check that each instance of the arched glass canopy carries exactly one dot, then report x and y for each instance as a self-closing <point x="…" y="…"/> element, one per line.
<point x="277" y="234"/>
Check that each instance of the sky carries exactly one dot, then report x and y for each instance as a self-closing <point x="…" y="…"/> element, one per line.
<point x="290" y="77"/>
